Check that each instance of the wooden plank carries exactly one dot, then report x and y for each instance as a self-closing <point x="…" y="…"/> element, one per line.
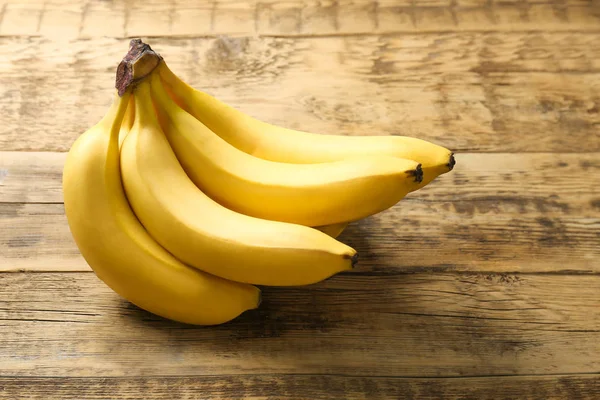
<point x="86" y="19"/>
<point x="487" y="235"/>
<point x="470" y="92"/>
<point x="567" y="179"/>
<point x="29" y="177"/>
<point x="494" y="212"/>
<point x="297" y="387"/>
<point x="37" y="237"/>
<point x="428" y="325"/>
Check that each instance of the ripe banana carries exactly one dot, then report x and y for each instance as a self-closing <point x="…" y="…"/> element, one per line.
<point x="202" y="233"/>
<point x="306" y="194"/>
<point x="119" y="249"/>
<point x="333" y="230"/>
<point x="280" y="144"/>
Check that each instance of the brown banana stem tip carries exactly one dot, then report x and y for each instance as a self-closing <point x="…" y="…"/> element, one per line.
<point x="417" y="173"/>
<point x="138" y="63"/>
<point x="354" y="260"/>
<point x="451" y="162"/>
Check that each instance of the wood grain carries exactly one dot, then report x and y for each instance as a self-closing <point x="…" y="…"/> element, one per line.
<point x="568" y="179"/>
<point x="300" y="387"/>
<point x="494" y="212"/>
<point x="481" y="92"/>
<point x="37" y="237"/>
<point x="414" y="236"/>
<point x="28" y="177"/>
<point x="428" y="325"/>
<point x="483" y="285"/>
<point x="61" y="19"/>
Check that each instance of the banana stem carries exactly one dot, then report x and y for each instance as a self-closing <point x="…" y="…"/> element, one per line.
<point x="451" y="162"/>
<point x="138" y="63"/>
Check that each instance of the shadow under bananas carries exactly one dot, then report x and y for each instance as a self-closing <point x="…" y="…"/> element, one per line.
<point x="358" y="236"/>
<point x="299" y="326"/>
<point x="304" y="311"/>
<point x="349" y="324"/>
<point x="284" y="308"/>
<point x="372" y="317"/>
<point x="301" y="308"/>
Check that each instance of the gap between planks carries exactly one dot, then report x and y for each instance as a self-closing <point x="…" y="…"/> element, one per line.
<point x="293" y="374"/>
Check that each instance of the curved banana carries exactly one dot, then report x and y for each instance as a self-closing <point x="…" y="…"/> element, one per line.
<point x="306" y="194"/>
<point x="202" y="233"/>
<point x="119" y="249"/>
<point x="333" y="230"/>
<point x="280" y="144"/>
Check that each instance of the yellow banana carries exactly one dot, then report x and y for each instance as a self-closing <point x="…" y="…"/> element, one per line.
<point x="280" y="144"/>
<point x="119" y="249"/>
<point x="202" y="233"/>
<point x="333" y="230"/>
<point x="127" y="123"/>
<point x="307" y="194"/>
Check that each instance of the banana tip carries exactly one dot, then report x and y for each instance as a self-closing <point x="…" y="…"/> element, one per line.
<point x="451" y="162"/>
<point x="354" y="260"/>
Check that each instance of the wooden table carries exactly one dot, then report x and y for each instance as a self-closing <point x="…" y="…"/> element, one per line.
<point x="483" y="285"/>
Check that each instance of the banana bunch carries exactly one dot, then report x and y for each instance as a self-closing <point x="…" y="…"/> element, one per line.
<point x="182" y="204"/>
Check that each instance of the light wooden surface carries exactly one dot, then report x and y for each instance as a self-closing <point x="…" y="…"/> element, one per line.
<point x="501" y="212"/>
<point x="473" y="92"/>
<point x="361" y="324"/>
<point x="483" y="285"/>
